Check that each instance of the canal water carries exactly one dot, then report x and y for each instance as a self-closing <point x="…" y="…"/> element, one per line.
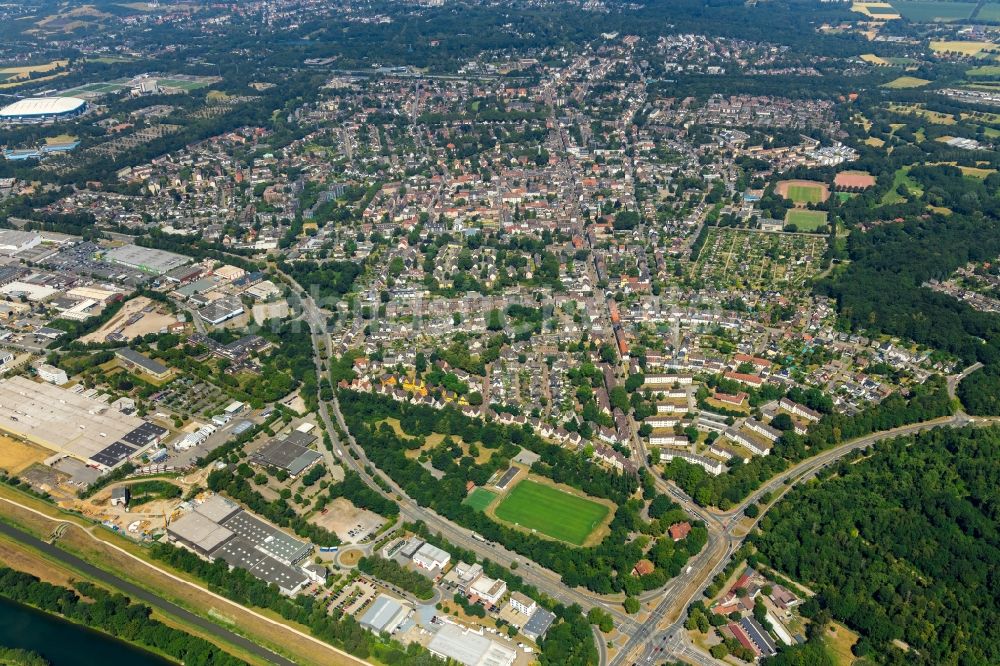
<point x="64" y="643"/>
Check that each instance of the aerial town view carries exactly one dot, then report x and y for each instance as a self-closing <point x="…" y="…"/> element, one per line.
<point x="500" y="332"/>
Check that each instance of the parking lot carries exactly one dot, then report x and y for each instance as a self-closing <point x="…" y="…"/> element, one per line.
<point x="354" y="598"/>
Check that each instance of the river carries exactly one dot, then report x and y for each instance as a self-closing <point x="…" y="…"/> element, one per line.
<point x="64" y="643"/>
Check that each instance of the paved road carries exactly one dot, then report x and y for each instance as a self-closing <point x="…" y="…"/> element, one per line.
<point x="136" y="592"/>
<point x="642" y="647"/>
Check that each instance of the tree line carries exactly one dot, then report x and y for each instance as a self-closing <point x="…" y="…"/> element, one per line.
<point x="335" y="628"/>
<point x="113" y="614"/>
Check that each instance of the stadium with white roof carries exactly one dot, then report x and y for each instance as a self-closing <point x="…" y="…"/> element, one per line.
<point x="42" y="109"/>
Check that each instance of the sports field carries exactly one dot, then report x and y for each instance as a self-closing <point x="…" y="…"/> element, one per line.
<point x="804" y="194"/>
<point x="806" y="220"/>
<point x="93" y="89"/>
<point x="551" y="511"/>
<point x="479" y="499"/>
<point x="854" y="179"/>
<point x="803" y="191"/>
<point x="184" y="84"/>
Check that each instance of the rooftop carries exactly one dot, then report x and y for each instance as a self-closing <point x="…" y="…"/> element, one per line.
<point x="42" y="106"/>
<point x="470" y="648"/>
<point x="199" y="532"/>
<point x="60" y="419"/>
<point x="267" y="538"/>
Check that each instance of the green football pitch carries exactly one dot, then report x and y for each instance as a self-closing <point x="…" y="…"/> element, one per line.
<point x="552" y="512"/>
<point x="805" y="193"/>
<point x="479" y="499"/>
<point x="806" y="220"/>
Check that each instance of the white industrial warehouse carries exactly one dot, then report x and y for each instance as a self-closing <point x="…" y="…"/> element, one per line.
<point x="42" y="109"/>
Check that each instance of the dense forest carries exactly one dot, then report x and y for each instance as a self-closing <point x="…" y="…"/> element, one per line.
<point x="114" y="614"/>
<point x="902" y="545"/>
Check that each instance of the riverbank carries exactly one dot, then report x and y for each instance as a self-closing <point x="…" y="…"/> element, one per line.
<point x="65" y="643"/>
<point x="129" y="562"/>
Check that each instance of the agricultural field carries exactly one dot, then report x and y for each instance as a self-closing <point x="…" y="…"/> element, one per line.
<point x="984" y="70"/>
<point x="971" y="172"/>
<point x="881" y="10"/>
<point x="551" y="511"/>
<point x="802" y="192"/>
<point x="23" y="70"/>
<point x="905" y="82"/>
<point x="751" y="259"/>
<point x="976" y="172"/>
<point x="963" y="47"/>
<point x="922" y="11"/>
<point x="806" y="220"/>
<point x="873" y="59"/>
<point x="12" y="77"/>
<point x="990" y="11"/>
<point x="479" y="499"/>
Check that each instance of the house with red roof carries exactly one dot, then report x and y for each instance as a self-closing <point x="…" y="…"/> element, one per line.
<point x="679" y="531"/>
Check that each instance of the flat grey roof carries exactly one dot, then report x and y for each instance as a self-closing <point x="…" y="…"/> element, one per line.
<point x="464" y="647"/>
<point x="238" y="552"/>
<point x="60" y="419"/>
<point x="144" y="362"/>
<point x="268" y="538"/>
<point x="146" y="258"/>
<point x="217" y="508"/>
<point x="299" y="438"/>
<point x="271" y="570"/>
<point x="289" y="455"/>
<point x="539" y="623"/>
<point x="305" y="460"/>
<point x="221" y="309"/>
<point x="470" y="648"/>
<point x="200" y="532"/>
<point x="384" y="615"/>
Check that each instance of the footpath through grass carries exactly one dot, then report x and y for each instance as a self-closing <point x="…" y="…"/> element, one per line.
<point x="551" y="511"/>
